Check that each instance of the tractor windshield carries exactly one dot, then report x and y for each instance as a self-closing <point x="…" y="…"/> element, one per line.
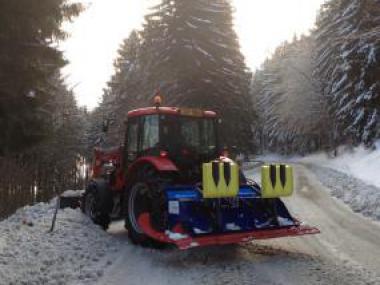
<point x="190" y="137"/>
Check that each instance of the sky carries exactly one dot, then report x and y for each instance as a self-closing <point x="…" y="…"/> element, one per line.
<point x="97" y="33"/>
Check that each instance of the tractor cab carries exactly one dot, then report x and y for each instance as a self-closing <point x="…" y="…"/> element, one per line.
<point x="187" y="137"/>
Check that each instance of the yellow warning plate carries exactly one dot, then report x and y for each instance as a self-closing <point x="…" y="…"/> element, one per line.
<point x="220" y="179"/>
<point x="276" y="181"/>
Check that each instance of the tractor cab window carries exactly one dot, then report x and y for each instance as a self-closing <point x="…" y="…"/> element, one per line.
<point x="199" y="134"/>
<point x="189" y="136"/>
<point x="190" y="131"/>
<point x="132" y="139"/>
<point x="150" y="137"/>
<point x="209" y="137"/>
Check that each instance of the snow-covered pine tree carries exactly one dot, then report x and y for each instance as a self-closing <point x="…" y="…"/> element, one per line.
<point x="39" y="120"/>
<point x="289" y="105"/>
<point x="190" y="50"/>
<point x="268" y="101"/>
<point x="326" y="57"/>
<point x="125" y="67"/>
<point x="347" y="37"/>
<point x="28" y="57"/>
<point x="361" y="56"/>
<point x="256" y="91"/>
<point x="123" y="93"/>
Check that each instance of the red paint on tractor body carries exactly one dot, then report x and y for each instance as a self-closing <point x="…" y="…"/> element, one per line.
<point x="102" y="156"/>
<point x="160" y="163"/>
<point x="115" y="154"/>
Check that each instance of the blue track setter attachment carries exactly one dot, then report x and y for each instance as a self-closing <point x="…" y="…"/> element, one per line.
<point x="245" y="212"/>
<point x="220" y="211"/>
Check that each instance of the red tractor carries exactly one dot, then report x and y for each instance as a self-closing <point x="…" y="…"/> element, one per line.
<point x="172" y="185"/>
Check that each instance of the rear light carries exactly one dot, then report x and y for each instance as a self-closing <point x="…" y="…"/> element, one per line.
<point x="163" y="153"/>
<point x="157" y="98"/>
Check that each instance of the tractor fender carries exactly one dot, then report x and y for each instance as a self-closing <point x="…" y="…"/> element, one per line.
<point x="160" y="163"/>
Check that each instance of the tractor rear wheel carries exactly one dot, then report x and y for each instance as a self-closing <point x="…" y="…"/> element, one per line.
<point x="144" y="197"/>
<point x="137" y="202"/>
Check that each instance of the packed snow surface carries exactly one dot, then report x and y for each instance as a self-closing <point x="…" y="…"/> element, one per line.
<point x="76" y="252"/>
<point x="79" y="252"/>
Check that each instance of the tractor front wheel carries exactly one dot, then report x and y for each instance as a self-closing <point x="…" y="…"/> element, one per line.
<point x="97" y="206"/>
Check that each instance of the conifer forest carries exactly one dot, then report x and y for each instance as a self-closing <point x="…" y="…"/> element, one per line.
<point x="314" y="93"/>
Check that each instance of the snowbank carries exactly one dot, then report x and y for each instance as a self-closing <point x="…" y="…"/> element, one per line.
<point x="360" y="197"/>
<point x="72" y="193"/>
<point x="77" y="252"/>
<point x="360" y="163"/>
<point x="352" y="176"/>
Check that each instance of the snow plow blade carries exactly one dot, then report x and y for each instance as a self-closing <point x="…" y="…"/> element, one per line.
<point x="183" y="241"/>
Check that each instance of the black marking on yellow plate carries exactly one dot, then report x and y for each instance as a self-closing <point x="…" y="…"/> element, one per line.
<point x="215" y="171"/>
<point x="276" y="180"/>
<point x="282" y="175"/>
<point x="227" y="172"/>
<point x="272" y="169"/>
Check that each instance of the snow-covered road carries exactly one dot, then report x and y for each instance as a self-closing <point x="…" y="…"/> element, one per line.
<point x="78" y="252"/>
<point x="346" y="252"/>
